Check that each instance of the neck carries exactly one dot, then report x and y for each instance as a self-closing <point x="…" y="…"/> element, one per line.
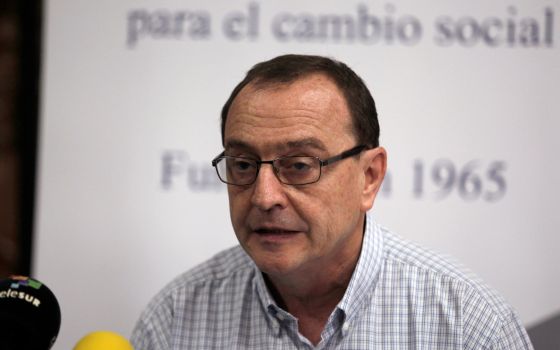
<point x="312" y="290"/>
<point x="312" y="295"/>
<point x="312" y="300"/>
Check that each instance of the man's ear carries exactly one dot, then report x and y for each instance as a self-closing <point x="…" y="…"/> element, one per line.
<point x="374" y="167"/>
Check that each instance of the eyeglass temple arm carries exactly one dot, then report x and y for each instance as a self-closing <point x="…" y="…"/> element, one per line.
<point x="346" y="154"/>
<point x="215" y="160"/>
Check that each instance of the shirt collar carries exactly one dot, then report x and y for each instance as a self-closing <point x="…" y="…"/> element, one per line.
<point x="366" y="273"/>
<point x="275" y="315"/>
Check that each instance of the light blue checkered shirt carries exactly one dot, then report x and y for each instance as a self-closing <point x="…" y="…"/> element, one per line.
<point x="400" y="297"/>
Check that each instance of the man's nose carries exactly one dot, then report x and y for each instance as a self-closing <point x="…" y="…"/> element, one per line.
<point x="268" y="191"/>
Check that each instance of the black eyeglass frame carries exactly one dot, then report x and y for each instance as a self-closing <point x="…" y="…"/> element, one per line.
<point x="343" y="155"/>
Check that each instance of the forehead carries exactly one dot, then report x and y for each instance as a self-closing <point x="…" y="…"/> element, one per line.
<point x="279" y="114"/>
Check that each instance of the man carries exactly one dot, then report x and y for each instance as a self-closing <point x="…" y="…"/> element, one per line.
<point x="303" y="166"/>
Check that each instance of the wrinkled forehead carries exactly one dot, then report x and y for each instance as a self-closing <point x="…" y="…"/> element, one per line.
<point x="303" y="87"/>
<point x="284" y="146"/>
<point x="314" y="95"/>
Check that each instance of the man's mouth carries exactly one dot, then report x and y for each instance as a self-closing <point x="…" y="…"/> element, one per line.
<point x="274" y="231"/>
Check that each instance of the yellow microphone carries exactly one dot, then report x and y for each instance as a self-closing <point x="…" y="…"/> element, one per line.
<point x="103" y="340"/>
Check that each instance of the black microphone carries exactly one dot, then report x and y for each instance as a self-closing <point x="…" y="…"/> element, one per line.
<point x="29" y="315"/>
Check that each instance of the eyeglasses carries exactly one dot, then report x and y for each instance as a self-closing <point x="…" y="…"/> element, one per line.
<point x="292" y="170"/>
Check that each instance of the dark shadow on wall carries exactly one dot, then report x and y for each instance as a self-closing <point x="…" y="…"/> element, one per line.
<point x="546" y="334"/>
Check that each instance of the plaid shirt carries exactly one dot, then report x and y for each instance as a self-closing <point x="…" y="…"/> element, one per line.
<point x="400" y="296"/>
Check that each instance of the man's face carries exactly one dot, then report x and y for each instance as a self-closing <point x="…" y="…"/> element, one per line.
<point x="296" y="229"/>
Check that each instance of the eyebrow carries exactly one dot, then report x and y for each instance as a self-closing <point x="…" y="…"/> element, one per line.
<point x="237" y="144"/>
<point x="308" y="142"/>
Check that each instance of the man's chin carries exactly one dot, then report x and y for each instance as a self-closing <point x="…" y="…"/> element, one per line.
<point x="276" y="254"/>
<point x="276" y="265"/>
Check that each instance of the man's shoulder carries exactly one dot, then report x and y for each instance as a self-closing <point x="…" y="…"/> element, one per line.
<point x="428" y="269"/>
<point x="442" y="293"/>
<point x="225" y="272"/>
<point x="227" y="264"/>
<point x="207" y="289"/>
<point x="400" y="250"/>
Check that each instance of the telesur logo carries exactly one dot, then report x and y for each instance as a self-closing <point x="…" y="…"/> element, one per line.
<point x="14" y="293"/>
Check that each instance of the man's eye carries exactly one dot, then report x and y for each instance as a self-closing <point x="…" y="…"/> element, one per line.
<point x="242" y="165"/>
<point x="296" y="164"/>
<point x="301" y="166"/>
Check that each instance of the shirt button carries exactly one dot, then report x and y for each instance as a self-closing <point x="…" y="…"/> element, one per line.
<point x="345" y="327"/>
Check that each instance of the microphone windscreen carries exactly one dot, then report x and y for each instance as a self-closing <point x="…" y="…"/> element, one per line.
<point x="29" y="314"/>
<point x="103" y="340"/>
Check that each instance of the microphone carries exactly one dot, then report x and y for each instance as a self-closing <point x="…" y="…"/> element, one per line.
<point x="29" y="314"/>
<point x="103" y="340"/>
